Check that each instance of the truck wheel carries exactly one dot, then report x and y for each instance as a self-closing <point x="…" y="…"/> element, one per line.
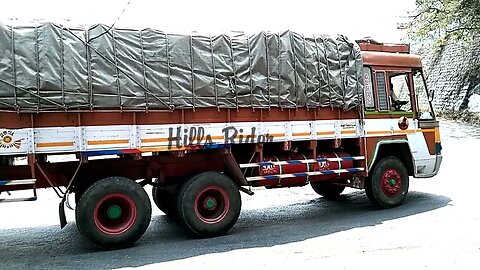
<point x="165" y="201"/>
<point x="327" y="189"/>
<point x="6" y="161"/>
<point x="208" y="204"/>
<point x="113" y="213"/>
<point x="388" y="185"/>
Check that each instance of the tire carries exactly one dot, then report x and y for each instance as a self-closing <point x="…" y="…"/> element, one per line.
<point x="208" y="204"/>
<point x="79" y="190"/>
<point x="113" y="213"/>
<point x="166" y="201"/>
<point x="327" y="189"/>
<point x="388" y="185"/>
<point x="6" y="161"/>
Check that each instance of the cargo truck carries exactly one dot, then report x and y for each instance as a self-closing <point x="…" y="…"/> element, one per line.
<point x="100" y="114"/>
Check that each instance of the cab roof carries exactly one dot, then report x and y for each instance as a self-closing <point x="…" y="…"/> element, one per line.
<point x="389" y="55"/>
<point x="391" y="59"/>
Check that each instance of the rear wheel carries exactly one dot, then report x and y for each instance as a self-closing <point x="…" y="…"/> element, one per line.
<point x="327" y="189"/>
<point x="165" y="200"/>
<point x="6" y="161"/>
<point x="388" y="185"/>
<point x="209" y="204"/>
<point x="113" y="213"/>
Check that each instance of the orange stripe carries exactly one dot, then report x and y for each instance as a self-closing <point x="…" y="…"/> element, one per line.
<point x="379" y="132"/>
<point x="276" y="134"/>
<point x="403" y="131"/>
<point x="160" y="148"/>
<point x="108" y="142"/>
<point x="437" y="135"/>
<point x="154" y="140"/>
<point x="325" y="133"/>
<point x="348" y="131"/>
<point x="55" y="144"/>
<point x="301" y="134"/>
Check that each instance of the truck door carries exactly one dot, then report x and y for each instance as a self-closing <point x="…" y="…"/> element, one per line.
<point x="425" y="142"/>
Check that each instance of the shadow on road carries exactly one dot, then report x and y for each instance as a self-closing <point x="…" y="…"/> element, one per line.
<point x="48" y="247"/>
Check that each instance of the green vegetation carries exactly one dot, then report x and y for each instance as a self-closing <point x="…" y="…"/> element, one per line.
<point x="445" y="20"/>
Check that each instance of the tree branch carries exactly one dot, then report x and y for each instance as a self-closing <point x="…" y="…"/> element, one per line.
<point x="449" y="31"/>
<point x="427" y="10"/>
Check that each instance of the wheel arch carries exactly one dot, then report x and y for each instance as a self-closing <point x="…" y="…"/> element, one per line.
<point x="398" y="148"/>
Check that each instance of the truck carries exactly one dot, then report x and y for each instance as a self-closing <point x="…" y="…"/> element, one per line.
<point x="99" y="114"/>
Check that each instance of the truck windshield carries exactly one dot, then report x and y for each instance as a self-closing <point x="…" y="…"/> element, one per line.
<point x="424" y="108"/>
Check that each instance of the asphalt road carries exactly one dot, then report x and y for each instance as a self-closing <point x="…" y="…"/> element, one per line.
<point x="436" y="228"/>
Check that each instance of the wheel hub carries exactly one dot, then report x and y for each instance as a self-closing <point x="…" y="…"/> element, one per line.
<point x="210" y="203"/>
<point x="114" y="212"/>
<point x="391" y="183"/>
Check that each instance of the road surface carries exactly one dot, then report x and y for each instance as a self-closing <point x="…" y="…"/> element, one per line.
<point x="436" y="228"/>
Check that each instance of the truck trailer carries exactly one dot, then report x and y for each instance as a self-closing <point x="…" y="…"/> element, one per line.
<point x="98" y="114"/>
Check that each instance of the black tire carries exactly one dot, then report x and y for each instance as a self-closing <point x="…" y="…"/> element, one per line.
<point x="79" y="190"/>
<point x="327" y="189"/>
<point x="166" y="201"/>
<point x="388" y="185"/>
<point x="6" y="161"/>
<point x="208" y="204"/>
<point x="113" y="213"/>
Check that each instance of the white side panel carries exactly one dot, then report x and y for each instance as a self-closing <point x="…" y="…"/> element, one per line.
<point x="152" y="138"/>
<point x="16" y="141"/>
<point x="325" y="129"/>
<point x="56" y="140"/>
<point x="349" y="128"/>
<point x="107" y="137"/>
<point x="157" y="135"/>
<point x="277" y="130"/>
<point x="301" y="130"/>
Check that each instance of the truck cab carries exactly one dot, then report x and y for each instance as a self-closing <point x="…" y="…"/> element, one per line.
<point x="397" y="108"/>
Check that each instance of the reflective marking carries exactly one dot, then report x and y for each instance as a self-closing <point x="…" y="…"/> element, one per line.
<point x="301" y="161"/>
<point x="54" y="144"/>
<point x="280" y="176"/>
<point x="155" y="140"/>
<point x="102" y="142"/>
<point x="408" y="131"/>
<point x="389" y="132"/>
<point x="18" y="182"/>
<point x="437" y="135"/>
<point x="301" y="134"/>
<point x="277" y="135"/>
<point x="320" y="133"/>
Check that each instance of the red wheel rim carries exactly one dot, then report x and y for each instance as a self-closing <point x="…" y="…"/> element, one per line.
<point x="391" y="183"/>
<point x="115" y="214"/>
<point x="212" y="204"/>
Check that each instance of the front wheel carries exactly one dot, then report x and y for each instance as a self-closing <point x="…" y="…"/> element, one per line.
<point x="388" y="185"/>
<point x="113" y="213"/>
<point x="208" y="204"/>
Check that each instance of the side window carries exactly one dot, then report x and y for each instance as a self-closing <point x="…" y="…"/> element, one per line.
<point x="381" y="91"/>
<point x="423" y="104"/>
<point x="368" y="89"/>
<point x="400" y="93"/>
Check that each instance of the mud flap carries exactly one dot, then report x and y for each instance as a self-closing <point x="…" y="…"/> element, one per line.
<point x="61" y="213"/>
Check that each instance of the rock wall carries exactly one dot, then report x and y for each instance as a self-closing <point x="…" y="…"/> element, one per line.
<point x="450" y="77"/>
